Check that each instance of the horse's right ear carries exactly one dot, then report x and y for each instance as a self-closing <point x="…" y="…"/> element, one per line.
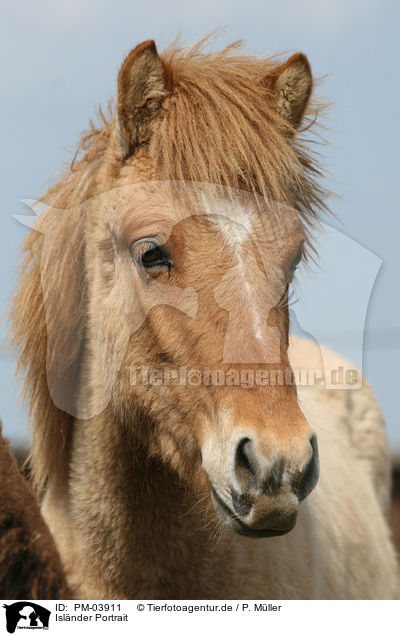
<point x="142" y="85"/>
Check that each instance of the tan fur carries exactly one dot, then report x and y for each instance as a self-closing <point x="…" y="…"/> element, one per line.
<point x="127" y="471"/>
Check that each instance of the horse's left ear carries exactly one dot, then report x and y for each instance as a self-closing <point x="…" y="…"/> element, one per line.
<point x="142" y="85"/>
<point x="291" y="85"/>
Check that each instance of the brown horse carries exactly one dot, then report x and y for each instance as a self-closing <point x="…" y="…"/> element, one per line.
<point x="154" y="286"/>
<point x="30" y="566"/>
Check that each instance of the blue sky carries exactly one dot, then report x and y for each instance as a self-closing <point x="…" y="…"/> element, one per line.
<point x="60" y="60"/>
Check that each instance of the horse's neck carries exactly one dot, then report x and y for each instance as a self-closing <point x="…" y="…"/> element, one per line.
<point x="135" y="530"/>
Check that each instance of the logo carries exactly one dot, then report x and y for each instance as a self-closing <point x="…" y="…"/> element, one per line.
<point x="26" y="615"/>
<point x="247" y="287"/>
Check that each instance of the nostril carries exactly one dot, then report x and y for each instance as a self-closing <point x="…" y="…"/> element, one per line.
<point x="245" y="463"/>
<point x="311" y="473"/>
<point x="241" y="454"/>
<point x="314" y="443"/>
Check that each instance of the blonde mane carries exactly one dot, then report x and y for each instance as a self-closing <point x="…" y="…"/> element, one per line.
<point x="217" y="124"/>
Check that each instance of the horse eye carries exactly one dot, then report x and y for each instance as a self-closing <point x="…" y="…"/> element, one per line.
<point x="295" y="262"/>
<point x="149" y="255"/>
<point x="152" y="257"/>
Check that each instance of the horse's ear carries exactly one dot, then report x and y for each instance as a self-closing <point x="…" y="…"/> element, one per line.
<point x="291" y="85"/>
<point x="142" y="84"/>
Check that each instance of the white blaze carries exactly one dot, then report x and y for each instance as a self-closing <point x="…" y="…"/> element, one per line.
<point x="231" y="218"/>
<point x="235" y="223"/>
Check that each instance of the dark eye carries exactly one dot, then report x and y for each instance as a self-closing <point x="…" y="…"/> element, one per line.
<point x="295" y="262"/>
<point x="150" y="255"/>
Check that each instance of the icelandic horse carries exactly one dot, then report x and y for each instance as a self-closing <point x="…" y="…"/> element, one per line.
<point x="170" y="244"/>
